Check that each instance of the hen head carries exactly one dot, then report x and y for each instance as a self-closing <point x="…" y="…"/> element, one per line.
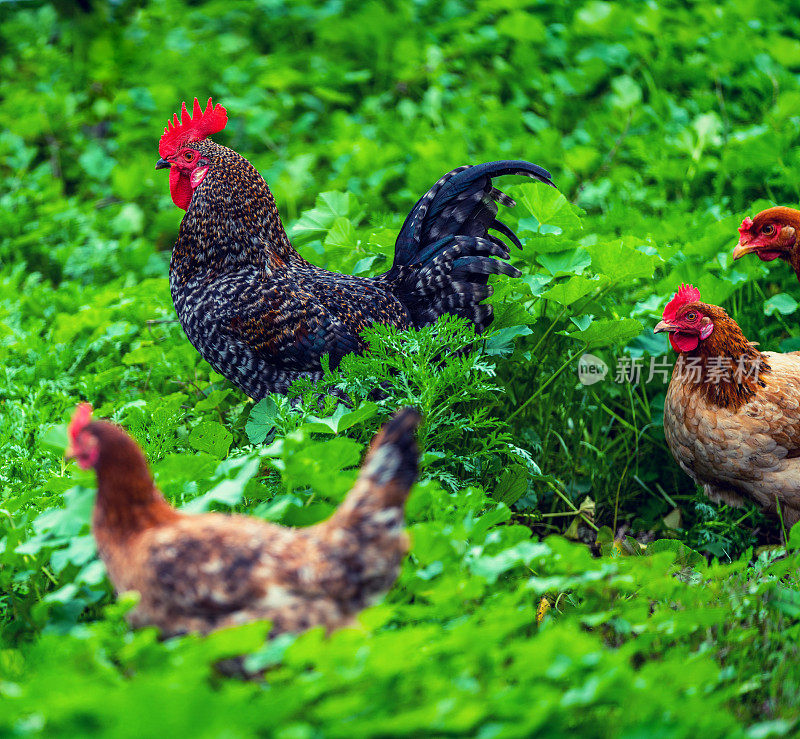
<point x="687" y="320"/>
<point x="83" y="445"/>
<point x="772" y="234"/>
<point x="181" y="149"/>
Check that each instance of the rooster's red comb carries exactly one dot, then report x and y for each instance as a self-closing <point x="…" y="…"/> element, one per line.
<point x="194" y="127"/>
<point x="686" y="294"/>
<point x="81" y="418"/>
<point x="747" y="224"/>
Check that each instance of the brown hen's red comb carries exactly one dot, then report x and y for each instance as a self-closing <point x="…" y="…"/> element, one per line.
<point x="81" y="418"/>
<point x="747" y="224"/>
<point x="686" y="294"/>
<point x="194" y="127"/>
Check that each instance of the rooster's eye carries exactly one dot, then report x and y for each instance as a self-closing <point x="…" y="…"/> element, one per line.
<point x="691" y="316"/>
<point x="188" y="156"/>
<point x="768" y="230"/>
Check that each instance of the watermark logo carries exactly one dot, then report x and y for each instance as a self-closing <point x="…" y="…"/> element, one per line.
<point x="635" y="371"/>
<point x="591" y="369"/>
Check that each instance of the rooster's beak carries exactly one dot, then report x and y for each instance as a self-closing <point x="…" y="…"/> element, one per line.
<point x="163" y="164"/>
<point x="663" y="326"/>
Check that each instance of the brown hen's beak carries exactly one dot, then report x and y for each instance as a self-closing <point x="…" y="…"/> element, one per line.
<point x="163" y="164"/>
<point x="69" y="452"/>
<point x="663" y="326"/>
<point x="743" y="248"/>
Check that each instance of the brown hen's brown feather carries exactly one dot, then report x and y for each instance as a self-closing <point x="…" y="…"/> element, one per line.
<point x="739" y="438"/>
<point x="728" y="343"/>
<point x="204" y="572"/>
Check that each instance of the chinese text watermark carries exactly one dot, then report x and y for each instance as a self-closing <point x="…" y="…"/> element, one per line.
<point x="637" y="370"/>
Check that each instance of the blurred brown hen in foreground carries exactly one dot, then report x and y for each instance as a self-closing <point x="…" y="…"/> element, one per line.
<point x="732" y="412"/>
<point x="204" y="572"/>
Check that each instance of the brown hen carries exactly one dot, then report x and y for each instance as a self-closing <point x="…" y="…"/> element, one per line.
<point x="732" y="412"/>
<point x="204" y="572"/>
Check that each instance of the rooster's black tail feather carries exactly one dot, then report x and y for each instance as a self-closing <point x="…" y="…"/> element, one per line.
<point x="445" y="253"/>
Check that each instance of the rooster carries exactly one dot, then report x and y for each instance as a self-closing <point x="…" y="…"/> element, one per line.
<point x="772" y="234"/>
<point x="262" y="315"/>
<point x="198" y="573"/>
<point x="732" y="412"/>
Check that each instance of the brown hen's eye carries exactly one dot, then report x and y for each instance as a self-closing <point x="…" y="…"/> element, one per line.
<point x="691" y="316"/>
<point x="768" y="230"/>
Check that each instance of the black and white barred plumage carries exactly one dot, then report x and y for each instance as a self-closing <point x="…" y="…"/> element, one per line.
<point x="263" y="316"/>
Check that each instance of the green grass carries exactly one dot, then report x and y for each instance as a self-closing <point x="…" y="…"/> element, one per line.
<point x="663" y="124"/>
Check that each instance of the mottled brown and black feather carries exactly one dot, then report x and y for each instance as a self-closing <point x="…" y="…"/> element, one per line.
<point x="263" y="316"/>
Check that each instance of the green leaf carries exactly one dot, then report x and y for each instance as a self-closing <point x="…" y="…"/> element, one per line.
<point x="784" y="50"/>
<point x="582" y="322"/>
<point x="365" y="264"/>
<point x="79" y="551"/>
<point x="510" y="313"/>
<point x="341" y="419"/>
<point x="547" y="205"/>
<point x="55" y="438"/>
<point x="261" y="421"/>
<point x="502" y="342"/>
<point x="146" y="353"/>
<point x="95" y="161"/>
<point x="595" y="15"/>
<point x="491" y="567"/>
<point x="212" y="400"/>
<point x="566" y="262"/>
<point x="512" y="485"/>
<point x="271" y="653"/>
<point x="342" y="234"/>
<point x="318" y="465"/>
<point x="566" y="293"/>
<point x="609" y="332"/>
<point x="684" y="556"/>
<point x="794" y="538"/>
<point x="129" y="220"/>
<point x="780" y="303"/>
<point x="626" y="93"/>
<point x="329" y="207"/>
<point x="229" y="492"/>
<point x="522" y="26"/>
<point x="715" y="289"/>
<point x="211" y="437"/>
<point x="622" y="263"/>
<point x="57" y="525"/>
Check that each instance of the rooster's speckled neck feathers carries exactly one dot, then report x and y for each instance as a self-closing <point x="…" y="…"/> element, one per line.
<point x="232" y="220"/>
